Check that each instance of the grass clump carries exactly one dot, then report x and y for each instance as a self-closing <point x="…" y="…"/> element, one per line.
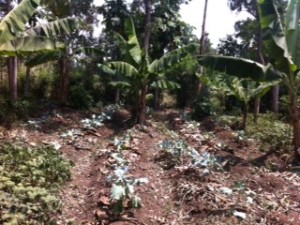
<point x="29" y="180"/>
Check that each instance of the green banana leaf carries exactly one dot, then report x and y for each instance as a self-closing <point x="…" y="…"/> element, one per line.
<point x="89" y="51"/>
<point x="40" y="59"/>
<point x="119" y="68"/>
<point x="165" y="84"/>
<point x="56" y="28"/>
<point x="15" y="21"/>
<point x="292" y="30"/>
<point x="133" y="45"/>
<point x="172" y="57"/>
<point x="240" y="67"/>
<point x="120" y="84"/>
<point x="274" y="36"/>
<point x="29" y="45"/>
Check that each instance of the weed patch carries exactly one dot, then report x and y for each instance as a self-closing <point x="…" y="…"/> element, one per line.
<point x="29" y="179"/>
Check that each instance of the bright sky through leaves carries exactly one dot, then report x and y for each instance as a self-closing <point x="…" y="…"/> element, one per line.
<point x="220" y="20"/>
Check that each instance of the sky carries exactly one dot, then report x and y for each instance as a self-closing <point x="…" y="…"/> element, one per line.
<point x="220" y="20"/>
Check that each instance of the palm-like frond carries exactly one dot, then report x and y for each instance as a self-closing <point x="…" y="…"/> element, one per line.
<point x="171" y="58"/>
<point x="15" y="21"/>
<point x="56" y="28"/>
<point x="29" y="45"/>
<point x="239" y="67"/>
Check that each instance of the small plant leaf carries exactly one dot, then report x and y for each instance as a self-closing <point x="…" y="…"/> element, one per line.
<point x="117" y="192"/>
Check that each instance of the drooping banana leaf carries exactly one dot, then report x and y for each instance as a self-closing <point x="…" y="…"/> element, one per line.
<point x="90" y="52"/>
<point x="56" y="28"/>
<point x="165" y="84"/>
<point x="264" y="88"/>
<point x="124" y="69"/>
<point x="119" y="68"/>
<point x="171" y="58"/>
<point x="14" y="22"/>
<point x="29" y="45"/>
<point x="40" y="59"/>
<point x="274" y="36"/>
<point x="120" y="84"/>
<point x="292" y="30"/>
<point x="240" y="67"/>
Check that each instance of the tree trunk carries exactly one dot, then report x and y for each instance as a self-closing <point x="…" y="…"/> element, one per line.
<point x="156" y="98"/>
<point x="64" y="65"/>
<point x="13" y="77"/>
<point x="201" y="50"/>
<point x="117" y="95"/>
<point x="203" y="34"/>
<point x="147" y="26"/>
<point x="275" y="98"/>
<point x="295" y="123"/>
<point x="245" y="117"/>
<point x="141" y="108"/>
<point x="262" y="61"/>
<point x="27" y="82"/>
<point x="142" y="105"/>
<point x="256" y="108"/>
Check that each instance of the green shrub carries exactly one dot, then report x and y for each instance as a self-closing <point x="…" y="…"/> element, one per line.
<point x="273" y="133"/>
<point x="80" y="97"/>
<point x="14" y="110"/>
<point x="29" y="179"/>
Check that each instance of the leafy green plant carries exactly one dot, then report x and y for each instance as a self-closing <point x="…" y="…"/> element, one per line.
<point x="123" y="191"/>
<point x="273" y="133"/>
<point x="80" y="97"/>
<point x="29" y="179"/>
<point x="98" y="120"/>
<point x="282" y="49"/>
<point x="13" y="110"/>
<point x="138" y="72"/>
<point x="177" y="149"/>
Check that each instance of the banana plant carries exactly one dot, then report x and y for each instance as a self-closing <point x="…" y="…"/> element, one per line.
<point x="282" y="47"/>
<point x="16" y="39"/>
<point x="138" y="69"/>
<point x="245" y="90"/>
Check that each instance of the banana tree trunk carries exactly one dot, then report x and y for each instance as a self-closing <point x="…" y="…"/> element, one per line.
<point x="295" y="123"/>
<point x="245" y="117"/>
<point x="27" y="82"/>
<point x="156" y="98"/>
<point x="64" y="64"/>
<point x="141" y="114"/>
<point x="13" y="77"/>
<point x="256" y="108"/>
<point x="117" y="95"/>
<point x="275" y="98"/>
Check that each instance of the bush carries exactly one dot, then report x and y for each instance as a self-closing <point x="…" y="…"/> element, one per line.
<point x="273" y="133"/>
<point x="80" y="97"/>
<point x="14" y="110"/>
<point x="28" y="180"/>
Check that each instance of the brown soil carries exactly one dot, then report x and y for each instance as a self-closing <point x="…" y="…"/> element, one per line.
<point x="178" y="193"/>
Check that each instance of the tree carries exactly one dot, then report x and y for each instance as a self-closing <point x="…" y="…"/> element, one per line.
<point x="282" y="48"/>
<point x="251" y="34"/>
<point x="138" y="69"/>
<point x="22" y="41"/>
